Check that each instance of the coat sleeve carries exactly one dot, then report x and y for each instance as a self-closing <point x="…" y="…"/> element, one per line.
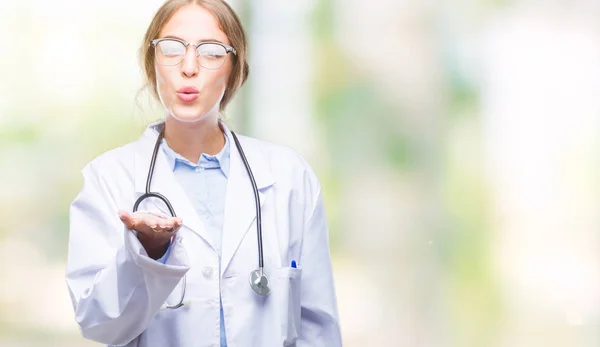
<point x="320" y="325"/>
<point x="115" y="288"/>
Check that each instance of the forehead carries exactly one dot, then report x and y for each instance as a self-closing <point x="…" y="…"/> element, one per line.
<point x="193" y="23"/>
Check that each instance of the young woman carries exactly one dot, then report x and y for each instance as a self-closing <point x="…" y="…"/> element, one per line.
<point x="193" y="235"/>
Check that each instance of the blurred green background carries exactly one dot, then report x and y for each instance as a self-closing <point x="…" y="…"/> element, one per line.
<point x="456" y="141"/>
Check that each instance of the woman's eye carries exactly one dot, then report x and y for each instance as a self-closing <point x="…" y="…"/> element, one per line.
<point x="172" y="52"/>
<point x="212" y="56"/>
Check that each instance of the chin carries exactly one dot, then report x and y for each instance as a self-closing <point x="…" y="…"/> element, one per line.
<point x="189" y="113"/>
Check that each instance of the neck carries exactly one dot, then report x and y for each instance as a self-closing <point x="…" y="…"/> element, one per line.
<point x="192" y="139"/>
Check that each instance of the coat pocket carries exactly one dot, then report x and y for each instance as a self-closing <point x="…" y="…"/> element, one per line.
<point x="289" y="290"/>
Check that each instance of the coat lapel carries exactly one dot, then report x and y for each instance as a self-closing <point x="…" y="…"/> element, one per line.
<point x="240" y="208"/>
<point x="164" y="182"/>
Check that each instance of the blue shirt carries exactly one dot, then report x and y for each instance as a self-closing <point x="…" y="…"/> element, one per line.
<point x="205" y="183"/>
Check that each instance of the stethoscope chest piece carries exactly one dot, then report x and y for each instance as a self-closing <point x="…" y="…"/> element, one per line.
<point x="259" y="282"/>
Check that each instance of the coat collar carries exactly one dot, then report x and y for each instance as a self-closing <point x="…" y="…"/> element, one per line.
<point x="240" y="209"/>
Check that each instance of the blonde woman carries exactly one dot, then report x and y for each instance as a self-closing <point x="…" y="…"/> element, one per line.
<point x="193" y="235"/>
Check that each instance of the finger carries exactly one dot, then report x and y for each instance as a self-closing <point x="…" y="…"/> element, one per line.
<point x="177" y="223"/>
<point x="165" y="223"/>
<point x="158" y="224"/>
<point x="141" y="220"/>
<point x="133" y="221"/>
<point x="168" y="226"/>
<point x="126" y="218"/>
<point x="150" y="221"/>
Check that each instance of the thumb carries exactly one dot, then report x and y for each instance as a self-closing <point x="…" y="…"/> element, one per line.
<point x="126" y="219"/>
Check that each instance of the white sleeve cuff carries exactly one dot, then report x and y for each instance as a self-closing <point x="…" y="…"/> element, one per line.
<point x="176" y="264"/>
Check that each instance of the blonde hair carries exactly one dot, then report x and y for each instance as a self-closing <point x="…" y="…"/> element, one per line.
<point x="229" y="23"/>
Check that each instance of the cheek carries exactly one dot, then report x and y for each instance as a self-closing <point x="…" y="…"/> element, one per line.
<point x="220" y="78"/>
<point x="221" y="81"/>
<point x="162" y="77"/>
<point x="213" y="85"/>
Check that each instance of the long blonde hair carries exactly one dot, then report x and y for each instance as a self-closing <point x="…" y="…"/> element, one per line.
<point x="229" y="23"/>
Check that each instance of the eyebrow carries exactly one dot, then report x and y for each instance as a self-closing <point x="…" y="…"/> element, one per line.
<point x="179" y="38"/>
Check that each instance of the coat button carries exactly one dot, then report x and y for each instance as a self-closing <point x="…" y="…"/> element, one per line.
<point x="207" y="271"/>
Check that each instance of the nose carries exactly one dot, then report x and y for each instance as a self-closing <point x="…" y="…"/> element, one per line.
<point x="190" y="65"/>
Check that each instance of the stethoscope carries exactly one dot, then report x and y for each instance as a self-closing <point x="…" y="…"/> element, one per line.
<point x="258" y="279"/>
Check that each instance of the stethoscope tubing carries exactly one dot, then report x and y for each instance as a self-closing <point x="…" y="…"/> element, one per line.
<point x="149" y="194"/>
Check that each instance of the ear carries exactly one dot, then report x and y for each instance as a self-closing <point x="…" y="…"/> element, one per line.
<point x="245" y="73"/>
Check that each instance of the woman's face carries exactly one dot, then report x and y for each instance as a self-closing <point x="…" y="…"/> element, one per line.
<point x="177" y="85"/>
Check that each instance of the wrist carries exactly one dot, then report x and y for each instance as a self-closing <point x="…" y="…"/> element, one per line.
<point x="155" y="249"/>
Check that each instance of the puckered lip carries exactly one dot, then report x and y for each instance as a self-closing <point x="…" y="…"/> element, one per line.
<point x="188" y="90"/>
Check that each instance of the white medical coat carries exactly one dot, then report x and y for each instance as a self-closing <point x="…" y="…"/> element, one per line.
<point x="118" y="292"/>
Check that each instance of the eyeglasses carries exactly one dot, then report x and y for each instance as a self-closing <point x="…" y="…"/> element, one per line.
<point x="211" y="55"/>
